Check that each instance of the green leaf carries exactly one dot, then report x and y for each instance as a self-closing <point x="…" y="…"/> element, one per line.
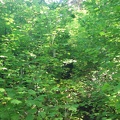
<point x="106" y="87"/>
<point x="29" y="117"/>
<point x="2" y="90"/>
<point x="31" y="92"/>
<point x="72" y="108"/>
<point x="16" y="102"/>
<point x="15" y="117"/>
<point x="42" y="114"/>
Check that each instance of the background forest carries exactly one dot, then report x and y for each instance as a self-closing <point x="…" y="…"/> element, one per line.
<point x="59" y="60"/>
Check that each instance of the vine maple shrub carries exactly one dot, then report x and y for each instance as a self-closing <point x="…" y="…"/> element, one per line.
<point x="58" y="62"/>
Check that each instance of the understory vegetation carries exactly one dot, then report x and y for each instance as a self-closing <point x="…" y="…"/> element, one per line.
<point x="58" y="62"/>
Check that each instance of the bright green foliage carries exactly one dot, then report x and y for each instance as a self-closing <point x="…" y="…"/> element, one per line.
<point x="38" y="39"/>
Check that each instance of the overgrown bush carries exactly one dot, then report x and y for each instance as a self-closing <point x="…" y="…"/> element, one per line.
<point x="57" y="63"/>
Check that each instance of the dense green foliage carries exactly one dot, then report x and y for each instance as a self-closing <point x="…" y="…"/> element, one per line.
<point x="39" y="40"/>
